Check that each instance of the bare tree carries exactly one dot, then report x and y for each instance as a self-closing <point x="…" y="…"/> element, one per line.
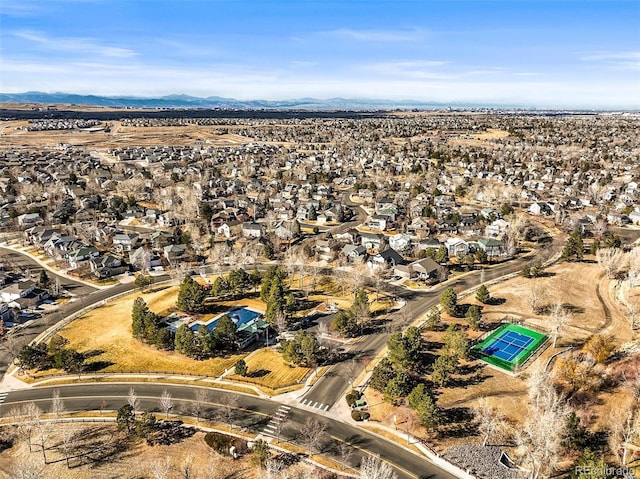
<point x="27" y="467"/>
<point x="600" y="227"/>
<point x="540" y="438"/>
<point x="166" y="402"/>
<point x="625" y="428"/>
<point x="373" y="467"/>
<point x="559" y="318"/>
<point x="160" y="469"/>
<point x="537" y="296"/>
<point x="133" y="401"/>
<point x="346" y="451"/>
<point x="32" y="414"/>
<point x="610" y="260"/>
<point x="489" y="419"/>
<point x="186" y="468"/>
<point x="57" y="404"/>
<point x="200" y="400"/>
<point x="43" y="433"/>
<point x="228" y="410"/>
<point x="312" y="434"/>
<point x="68" y="437"/>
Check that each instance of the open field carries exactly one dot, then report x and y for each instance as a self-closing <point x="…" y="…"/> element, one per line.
<point x="133" y="461"/>
<point x="119" y="136"/>
<point x="579" y="287"/>
<point x="267" y="368"/>
<point x="108" y="329"/>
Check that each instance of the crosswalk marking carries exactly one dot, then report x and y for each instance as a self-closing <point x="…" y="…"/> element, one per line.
<point x="3" y="396"/>
<point x="316" y="404"/>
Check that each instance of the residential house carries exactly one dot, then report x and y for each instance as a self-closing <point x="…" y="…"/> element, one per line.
<point x="456" y="247"/>
<point x="124" y="242"/>
<point x="81" y="256"/>
<point x="323" y="250"/>
<point x="372" y="240"/>
<point x="252" y="230"/>
<point x="107" y="266"/>
<point x="353" y="252"/>
<point x="29" y="219"/>
<point x="400" y="242"/>
<point x="174" y="252"/>
<point x="388" y="258"/>
<point x="423" y="269"/>
<point x="491" y="246"/>
<point x="540" y="208"/>
<point x="496" y="229"/>
<point x="377" y="222"/>
<point x="19" y="289"/>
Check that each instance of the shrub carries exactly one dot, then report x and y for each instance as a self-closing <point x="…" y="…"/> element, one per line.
<point x="360" y="415"/>
<point x="352" y="397"/>
<point x="218" y="442"/>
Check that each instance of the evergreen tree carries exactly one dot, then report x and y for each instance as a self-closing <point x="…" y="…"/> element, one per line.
<point x="241" y="368"/>
<point x="185" y="340"/>
<point x="138" y="314"/>
<point x="473" y="315"/>
<point x="382" y="373"/>
<point x="456" y="342"/>
<point x="163" y="339"/>
<point x="449" y="301"/>
<point x="345" y="324"/>
<point x="191" y="296"/>
<point x="397" y="388"/>
<point x="443" y="367"/>
<point x="483" y="295"/>
<point x="225" y="333"/>
<point x="43" y="280"/>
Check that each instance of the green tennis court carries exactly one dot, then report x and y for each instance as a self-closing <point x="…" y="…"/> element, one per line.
<point x="509" y="346"/>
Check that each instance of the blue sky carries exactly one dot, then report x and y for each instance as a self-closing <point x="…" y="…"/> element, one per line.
<point x="544" y="53"/>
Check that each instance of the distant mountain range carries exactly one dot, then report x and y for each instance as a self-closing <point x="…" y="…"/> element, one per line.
<point x="186" y="101"/>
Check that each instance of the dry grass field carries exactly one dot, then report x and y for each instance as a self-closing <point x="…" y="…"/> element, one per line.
<point x="134" y="461"/>
<point x="108" y="329"/>
<point x="267" y="368"/>
<point x="581" y="288"/>
<point x="119" y="136"/>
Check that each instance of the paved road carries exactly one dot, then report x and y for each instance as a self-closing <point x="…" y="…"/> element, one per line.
<point x="250" y="413"/>
<point x="335" y="383"/>
<point x="82" y="294"/>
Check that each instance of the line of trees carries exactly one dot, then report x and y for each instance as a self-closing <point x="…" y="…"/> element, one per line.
<point x="205" y="343"/>
<point x="55" y="355"/>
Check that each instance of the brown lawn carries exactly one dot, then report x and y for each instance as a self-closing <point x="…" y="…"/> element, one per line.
<point x="135" y="461"/>
<point x="267" y="368"/>
<point x="108" y="329"/>
<point x="576" y="286"/>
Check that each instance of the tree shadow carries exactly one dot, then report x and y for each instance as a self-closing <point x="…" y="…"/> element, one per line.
<point x="95" y="366"/>
<point x="496" y="301"/>
<point x="457" y="422"/>
<point x="170" y="432"/>
<point x="258" y="373"/>
<point x="573" y="308"/>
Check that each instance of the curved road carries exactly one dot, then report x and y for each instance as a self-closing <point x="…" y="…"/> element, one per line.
<point x="326" y="391"/>
<point x="250" y="413"/>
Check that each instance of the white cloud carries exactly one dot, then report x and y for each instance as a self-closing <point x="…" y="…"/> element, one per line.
<point x="74" y="45"/>
<point x="624" y="60"/>
<point x="424" y="69"/>
<point x="382" y="36"/>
